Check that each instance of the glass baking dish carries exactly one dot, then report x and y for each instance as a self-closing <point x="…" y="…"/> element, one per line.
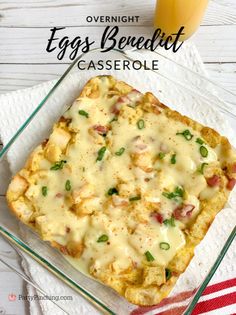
<point x="178" y="86"/>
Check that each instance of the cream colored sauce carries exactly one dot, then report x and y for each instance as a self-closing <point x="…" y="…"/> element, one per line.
<point x="131" y="229"/>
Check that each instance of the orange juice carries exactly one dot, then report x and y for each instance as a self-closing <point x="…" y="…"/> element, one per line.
<point x="170" y="15"/>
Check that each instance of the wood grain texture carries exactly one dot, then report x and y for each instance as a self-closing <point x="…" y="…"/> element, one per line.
<point x="216" y="44"/>
<point x="17" y="76"/>
<point x="224" y="74"/>
<point x="10" y="283"/>
<point x="73" y="12"/>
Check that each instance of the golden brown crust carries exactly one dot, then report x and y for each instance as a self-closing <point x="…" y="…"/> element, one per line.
<point x="140" y="286"/>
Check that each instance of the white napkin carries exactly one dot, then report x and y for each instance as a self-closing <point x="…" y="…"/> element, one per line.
<point x="15" y="108"/>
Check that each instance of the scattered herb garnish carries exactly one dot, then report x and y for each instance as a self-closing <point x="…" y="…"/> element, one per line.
<point x="58" y="165"/>
<point x="112" y="191"/>
<point x="113" y="119"/>
<point x="149" y="256"/>
<point x="101" y="153"/>
<point x="68" y="185"/>
<point x="199" y="141"/>
<point x="164" y="245"/>
<point x="177" y="193"/>
<point x="141" y="124"/>
<point x="168" y="273"/>
<point x="120" y="151"/>
<point x="186" y="134"/>
<point x="173" y="159"/>
<point x="83" y="113"/>
<point x="169" y="222"/>
<point x="161" y="155"/>
<point x="201" y="168"/>
<point x="102" y="238"/>
<point x="135" y="198"/>
<point x="44" y="191"/>
<point x="203" y="151"/>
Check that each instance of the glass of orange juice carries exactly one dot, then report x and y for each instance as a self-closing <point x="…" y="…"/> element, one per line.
<point x="171" y="15"/>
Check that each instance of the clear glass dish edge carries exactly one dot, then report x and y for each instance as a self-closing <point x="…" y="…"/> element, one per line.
<point x="15" y="240"/>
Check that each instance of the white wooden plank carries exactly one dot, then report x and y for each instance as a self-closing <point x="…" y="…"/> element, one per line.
<point x="13" y="77"/>
<point x="224" y="74"/>
<point x="73" y="13"/>
<point x="216" y="43"/>
<point x="10" y="283"/>
<point x="20" y="45"/>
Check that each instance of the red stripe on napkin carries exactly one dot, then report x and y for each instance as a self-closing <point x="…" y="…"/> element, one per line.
<point x="215" y="303"/>
<point x="169" y="300"/>
<point x="219" y="286"/>
<point x="220" y="301"/>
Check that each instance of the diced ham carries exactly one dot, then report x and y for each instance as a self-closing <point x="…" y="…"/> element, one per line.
<point x="164" y="147"/>
<point x="213" y="181"/>
<point x="231" y="183"/>
<point x="59" y="195"/>
<point x="139" y="145"/>
<point x="102" y="130"/>
<point x="115" y="109"/>
<point x="123" y="99"/>
<point x="63" y="250"/>
<point x="130" y="99"/>
<point x="158" y="217"/>
<point x="183" y="211"/>
<point x="134" y="96"/>
<point x="234" y="168"/>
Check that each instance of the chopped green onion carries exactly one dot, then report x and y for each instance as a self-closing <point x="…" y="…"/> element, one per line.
<point x="170" y="195"/>
<point x="186" y="134"/>
<point x="161" y="155"/>
<point x="169" y="222"/>
<point x="168" y="273"/>
<point x="201" y="168"/>
<point x="173" y="159"/>
<point x="58" y="165"/>
<point x="199" y="141"/>
<point x="164" y="245"/>
<point x="120" y="151"/>
<point x="83" y="113"/>
<point x="141" y="124"/>
<point x="101" y="153"/>
<point x="149" y="256"/>
<point x="68" y="185"/>
<point x="112" y="191"/>
<point x="178" y="193"/>
<point x="135" y="198"/>
<point x="102" y="238"/>
<point x="113" y="119"/>
<point x="203" y="151"/>
<point x="44" y="191"/>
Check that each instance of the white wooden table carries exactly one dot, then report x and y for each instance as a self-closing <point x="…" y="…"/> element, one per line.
<point x="24" y="62"/>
